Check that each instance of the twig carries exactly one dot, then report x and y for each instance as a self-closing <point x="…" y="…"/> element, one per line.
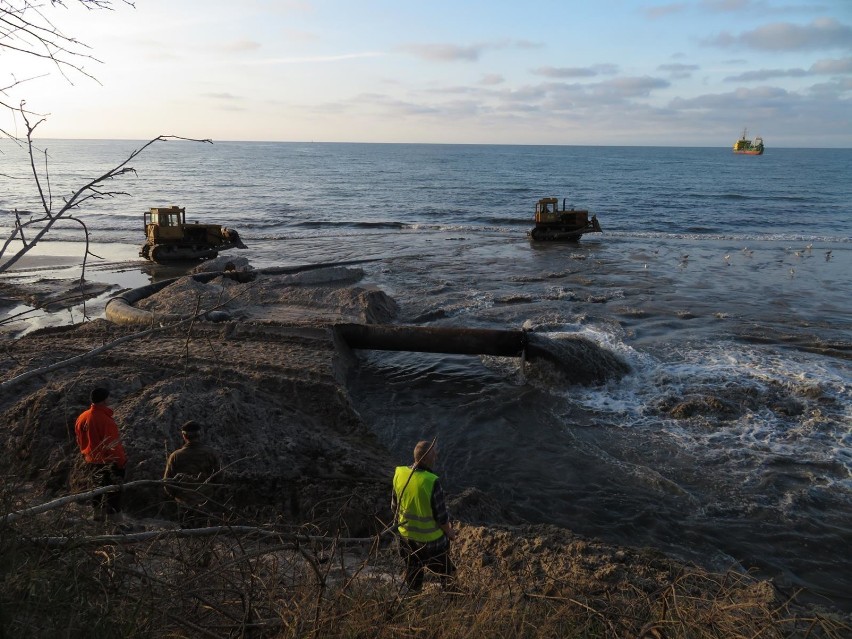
<point x="90" y="190"/>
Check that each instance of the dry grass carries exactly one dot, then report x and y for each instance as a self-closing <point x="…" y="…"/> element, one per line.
<point x="272" y="586"/>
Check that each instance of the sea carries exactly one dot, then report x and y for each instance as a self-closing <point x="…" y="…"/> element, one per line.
<point x="724" y="282"/>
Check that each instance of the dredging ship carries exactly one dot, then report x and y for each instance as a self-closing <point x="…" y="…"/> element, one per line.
<point x="744" y="146"/>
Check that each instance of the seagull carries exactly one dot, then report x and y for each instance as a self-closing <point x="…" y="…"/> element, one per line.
<point x="792" y="272"/>
<point x="809" y="247"/>
<point x="827" y="255"/>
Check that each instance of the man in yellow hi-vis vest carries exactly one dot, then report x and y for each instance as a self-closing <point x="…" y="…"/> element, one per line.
<point x="421" y="518"/>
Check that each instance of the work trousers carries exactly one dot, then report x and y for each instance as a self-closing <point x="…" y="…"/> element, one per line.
<point x="419" y="557"/>
<point x="106" y="475"/>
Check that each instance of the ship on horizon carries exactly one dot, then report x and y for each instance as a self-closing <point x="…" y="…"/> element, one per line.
<point x="744" y="146"/>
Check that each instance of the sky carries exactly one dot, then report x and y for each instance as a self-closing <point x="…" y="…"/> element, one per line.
<point x="568" y="72"/>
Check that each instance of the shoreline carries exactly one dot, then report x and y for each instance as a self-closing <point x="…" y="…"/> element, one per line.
<point x="43" y="286"/>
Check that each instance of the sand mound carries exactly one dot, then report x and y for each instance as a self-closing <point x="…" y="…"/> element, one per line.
<point x="315" y="297"/>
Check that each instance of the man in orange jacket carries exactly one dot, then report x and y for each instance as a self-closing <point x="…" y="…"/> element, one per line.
<point x="99" y="442"/>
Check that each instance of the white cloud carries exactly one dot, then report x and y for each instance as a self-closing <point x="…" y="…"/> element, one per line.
<point x="444" y="52"/>
<point x="828" y="67"/>
<point x="319" y="58"/>
<point x="821" y="67"/>
<point x="239" y="46"/>
<point x="679" y="70"/>
<point x="821" y="34"/>
<point x="492" y="79"/>
<point x="576" y="72"/>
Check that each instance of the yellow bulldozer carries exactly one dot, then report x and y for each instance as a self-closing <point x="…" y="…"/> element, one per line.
<point x="169" y="238"/>
<point x="555" y="224"/>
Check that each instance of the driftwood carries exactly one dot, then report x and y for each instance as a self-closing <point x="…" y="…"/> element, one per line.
<point x="209" y="531"/>
<point x="70" y="499"/>
<point x="150" y="535"/>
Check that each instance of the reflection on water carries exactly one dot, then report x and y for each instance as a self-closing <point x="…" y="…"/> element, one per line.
<point x="56" y="268"/>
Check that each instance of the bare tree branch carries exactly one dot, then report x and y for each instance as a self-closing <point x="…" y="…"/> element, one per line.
<point x="26" y="30"/>
<point x="210" y="531"/>
<point x="160" y="534"/>
<point x="91" y="190"/>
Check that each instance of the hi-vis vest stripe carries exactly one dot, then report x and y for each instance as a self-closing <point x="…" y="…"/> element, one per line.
<point x="414" y="497"/>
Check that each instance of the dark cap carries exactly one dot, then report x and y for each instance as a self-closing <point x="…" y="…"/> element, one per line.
<point x="191" y="427"/>
<point x="98" y="395"/>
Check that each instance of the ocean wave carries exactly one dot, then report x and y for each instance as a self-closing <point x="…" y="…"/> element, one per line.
<point x="314" y="224"/>
<point x="504" y="221"/>
<point x="736" y="237"/>
<point x="747" y="196"/>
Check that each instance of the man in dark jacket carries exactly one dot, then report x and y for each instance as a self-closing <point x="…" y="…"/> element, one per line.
<point x="191" y="467"/>
<point x="100" y="444"/>
<point x="421" y="518"/>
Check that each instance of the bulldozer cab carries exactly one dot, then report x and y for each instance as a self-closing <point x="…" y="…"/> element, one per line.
<point x="547" y="205"/>
<point x="171" y="216"/>
<point x="165" y="224"/>
<point x="545" y="210"/>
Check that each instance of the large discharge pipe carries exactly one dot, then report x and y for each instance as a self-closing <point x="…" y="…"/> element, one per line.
<point x="580" y="361"/>
<point x="432" y="339"/>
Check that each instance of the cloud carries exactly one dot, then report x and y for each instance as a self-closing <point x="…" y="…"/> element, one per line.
<point x="492" y="79"/>
<point x="238" y="46"/>
<point x="442" y="52"/>
<point x="572" y="97"/>
<point x="576" y="72"/>
<point x="715" y="6"/>
<point x="630" y="87"/>
<point x="221" y="96"/>
<point x="739" y="98"/>
<point x="445" y="52"/>
<point x="375" y="101"/>
<point x="320" y="58"/>
<point x="678" y="70"/>
<point x="766" y="74"/>
<point x="296" y="35"/>
<point x="756" y="7"/>
<point x="821" y="67"/>
<point x="828" y="67"/>
<point x="665" y="10"/>
<point x="832" y="89"/>
<point x="822" y="33"/>
<point x="727" y="6"/>
<point x="527" y="44"/>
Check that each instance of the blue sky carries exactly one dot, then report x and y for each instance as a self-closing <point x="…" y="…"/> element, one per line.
<point x="609" y="72"/>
